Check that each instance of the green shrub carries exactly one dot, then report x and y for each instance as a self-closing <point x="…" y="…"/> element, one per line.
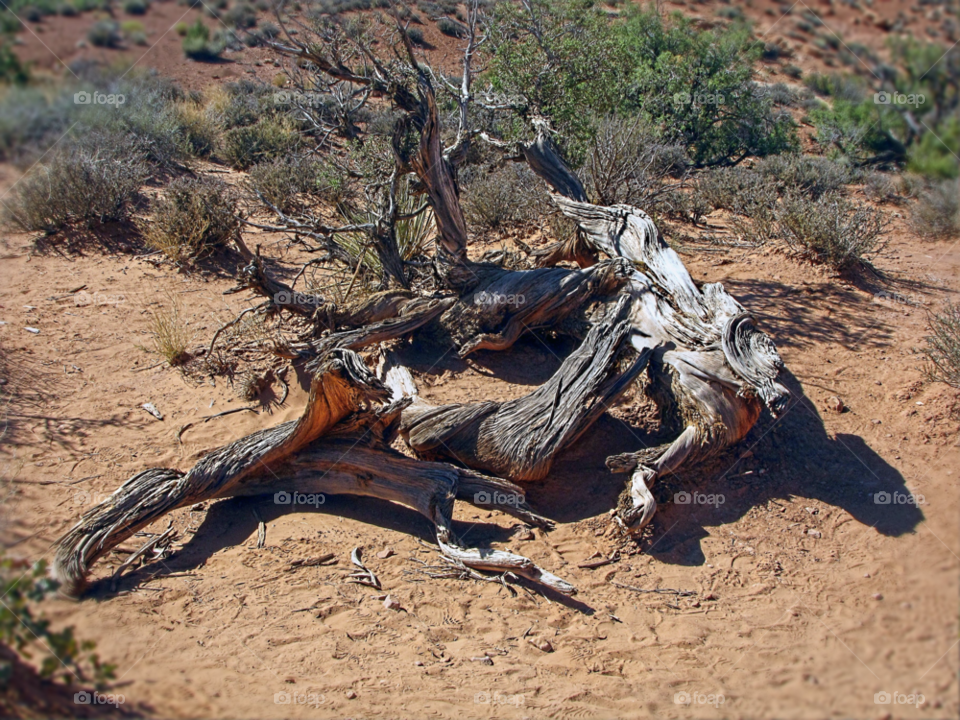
<point x="25" y="630"/>
<point x="105" y="33"/>
<point x="197" y="44"/>
<point x="943" y="347"/>
<point x="191" y="218"/>
<point x="240" y="16"/>
<point x="451" y="28"/>
<point x="831" y="229"/>
<point x="416" y="35"/>
<point x="12" y="71"/>
<point x="135" y="7"/>
<point x="76" y="186"/>
<point x="267" y="139"/>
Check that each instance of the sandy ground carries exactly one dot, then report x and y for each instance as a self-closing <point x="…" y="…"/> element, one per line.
<point x="802" y="597"/>
<point x="807" y="597"/>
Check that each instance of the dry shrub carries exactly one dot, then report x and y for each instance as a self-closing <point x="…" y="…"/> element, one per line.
<point x="831" y="229"/>
<point x="811" y="175"/>
<point x="937" y="212"/>
<point x="943" y="347"/>
<point x="628" y="163"/>
<point x="271" y="137"/>
<point x="291" y="183"/>
<point x="511" y="196"/>
<point x="192" y="217"/>
<point x="77" y="186"/>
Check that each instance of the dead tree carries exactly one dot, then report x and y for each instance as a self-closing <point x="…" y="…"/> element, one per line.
<point x="709" y="369"/>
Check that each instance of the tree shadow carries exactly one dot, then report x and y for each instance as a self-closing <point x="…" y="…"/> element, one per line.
<point x="788" y="458"/>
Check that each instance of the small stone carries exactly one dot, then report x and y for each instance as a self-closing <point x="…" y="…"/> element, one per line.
<point x="814" y="533"/>
<point x="391" y="603"/>
<point x="876" y="422"/>
<point x="351" y="695"/>
<point x="710" y="596"/>
<point x="877" y="596"/>
<point x="836" y="404"/>
<point x="290" y="680"/>
<point x="545" y="646"/>
<point x="484" y="660"/>
<point x="866" y="575"/>
<point x="385" y="553"/>
<point x="418" y="663"/>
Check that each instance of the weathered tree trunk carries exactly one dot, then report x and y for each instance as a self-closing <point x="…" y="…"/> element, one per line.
<point x="717" y="365"/>
<point x="519" y="439"/>
<point x="288" y="457"/>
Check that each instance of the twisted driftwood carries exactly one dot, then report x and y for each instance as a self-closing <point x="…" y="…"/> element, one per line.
<point x="293" y="457"/>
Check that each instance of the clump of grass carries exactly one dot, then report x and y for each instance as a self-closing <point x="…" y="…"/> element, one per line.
<point x="937" y="212"/>
<point x="135" y="7"/>
<point x="169" y="333"/>
<point x="77" y="186"/>
<point x="269" y="138"/>
<point x="192" y="218"/>
<point x="197" y="44"/>
<point x="831" y="229"/>
<point x="943" y="347"/>
<point x="451" y="28"/>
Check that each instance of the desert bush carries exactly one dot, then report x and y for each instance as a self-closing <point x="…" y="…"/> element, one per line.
<point x="12" y="71"/>
<point x="629" y="163"/>
<point x="942" y="349"/>
<point x="739" y="190"/>
<point x="451" y="28"/>
<point x="507" y="197"/>
<point x="105" y="33"/>
<point x="831" y="229"/>
<point x="78" y="185"/>
<point x="250" y="144"/>
<point x="881" y="188"/>
<point x="291" y="182"/>
<point x="416" y="35"/>
<point x="191" y="218"/>
<point x="809" y="174"/>
<point x="25" y="630"/>
<point x="937" y="211"/>
<point x="241" y="16"/>
<point x="197" y="44"/>
<point x="200" y="132"/>
<point x="136" y="7"/>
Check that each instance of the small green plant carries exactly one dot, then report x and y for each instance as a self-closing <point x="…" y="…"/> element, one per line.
<point x="942" y="350"/>
<point x="192" y="218"/>
<point x="181" y="28"/>
<point x="197" y="44"/>
<point x="26" y="631"/>
<point x="416" y="35"/>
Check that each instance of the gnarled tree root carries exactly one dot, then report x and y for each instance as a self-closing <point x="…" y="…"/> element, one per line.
<point x="341" y="394"/>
